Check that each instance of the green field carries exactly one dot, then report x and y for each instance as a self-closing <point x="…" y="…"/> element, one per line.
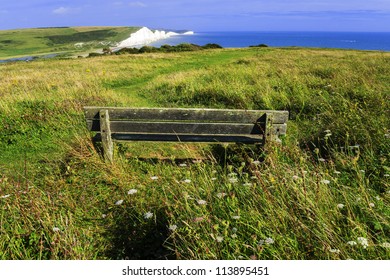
<point x="66" y="40"/>
<point x="323" y="193"/>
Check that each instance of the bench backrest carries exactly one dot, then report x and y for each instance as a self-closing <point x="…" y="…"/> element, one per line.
<point x="185" y="125"/>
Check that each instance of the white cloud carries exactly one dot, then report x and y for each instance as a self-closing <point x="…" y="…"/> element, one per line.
<point x="137" y="4"/>
<point x="65" y="10"/>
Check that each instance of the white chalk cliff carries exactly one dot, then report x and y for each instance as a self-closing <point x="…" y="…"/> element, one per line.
<point x="146" y="36"/>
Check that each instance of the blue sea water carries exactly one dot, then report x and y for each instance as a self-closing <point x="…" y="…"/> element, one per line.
<point x="343" y="40"/>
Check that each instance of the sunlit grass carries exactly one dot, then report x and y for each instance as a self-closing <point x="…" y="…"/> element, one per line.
<point x="321" y="194"/>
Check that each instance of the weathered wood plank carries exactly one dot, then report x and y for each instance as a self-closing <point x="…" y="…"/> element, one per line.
<point x="219" y="128"/>
<point x="105" y="132"/>
<point x="184" y="128"/>
<point x="188" y="138"/>
<point x="178" y="114"/>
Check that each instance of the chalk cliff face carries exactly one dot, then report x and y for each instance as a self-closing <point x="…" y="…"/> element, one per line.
<point x="145" y="36"/>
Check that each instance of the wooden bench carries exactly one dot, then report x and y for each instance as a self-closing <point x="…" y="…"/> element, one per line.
<point x="183" y="125"/>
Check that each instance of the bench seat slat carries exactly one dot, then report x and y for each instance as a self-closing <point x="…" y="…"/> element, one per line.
<point x="187" y="138"/>
<point x="174" y="114"/>
<point x="186" y="128"/>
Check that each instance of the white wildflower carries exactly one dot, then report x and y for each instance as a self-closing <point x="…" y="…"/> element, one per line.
<point x="327" y="131"/>
<point x="187" y="181"/>
<point x="321" y="160"/>
<point x="233" y="235"/>
<point x="119" y="202"/>
<point x="234" y="229"/>
<point x="363" y="241"/>
<point x="236" y="217"/>
<point x="5" y="196"/>
<point x="352" y="243"/>
<point x="219" y="239"/>
<point x="328" y="135"/>
<point x="154" y="177"/>
<point x="172" y="227"/>
<point x="269" y="240"/>
<point x="233" y="180"/>
<point x="247" y="184"/>
<point x="378" y="197"/>
<point x="183" y="165"/>
<point x="371" y="205"/>
<point x="213" y="179"/>
<point x="104" y="216"/>
<point x="326" y="182"/>
<point x="56" y="229"/>
<point x="340" y="206"/>
<point x="201" y="202"/>
<point x="148" y="215"/>
<point x="132" y="191"/>
<point x="221" y="195"/>
<point x="387" y="175"/>
<point x="334" y="251"/>
<point x="386" y="245"/>
<point x="362" y="171"/>
<point x="336" y="172"/>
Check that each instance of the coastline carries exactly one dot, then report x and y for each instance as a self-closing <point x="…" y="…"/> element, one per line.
<point x="146" y="36"/>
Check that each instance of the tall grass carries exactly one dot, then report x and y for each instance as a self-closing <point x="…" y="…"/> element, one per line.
<point x="323" y="193"/>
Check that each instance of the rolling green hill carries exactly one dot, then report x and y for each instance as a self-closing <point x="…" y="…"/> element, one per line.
<point x="35" y="41"/>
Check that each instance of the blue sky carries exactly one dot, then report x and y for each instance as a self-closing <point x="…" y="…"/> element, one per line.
<point x="202" y="15"/>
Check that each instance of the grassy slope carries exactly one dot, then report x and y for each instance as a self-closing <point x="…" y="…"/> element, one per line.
<point x="310" y="195"/>
<point x="24" y="42"/>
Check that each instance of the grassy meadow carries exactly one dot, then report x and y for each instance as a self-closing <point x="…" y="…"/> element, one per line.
<point x="60" y="40"/>
<point x="323" y="193"/>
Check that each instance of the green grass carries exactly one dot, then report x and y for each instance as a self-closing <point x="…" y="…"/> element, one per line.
<point x="35" y="41"/>
<point x="326" y="185"/>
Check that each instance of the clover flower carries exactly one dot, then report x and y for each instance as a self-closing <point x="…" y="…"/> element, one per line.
<point x="132" y="191"/>
<point x="56" y="229"/>
<point x="172" y="227"/>
<point x="154" y="178"/>
<point x="340" y="206"/>
<point x="148" y="215"/>
<point x="386" y="245"/>
<point x="363" y="241"/>
<point x="119" y="202"/>
<point x="269" y="240"/>
<point x="219" y="239"/>
<point x="233" y="180"/>
<point x="352" y="243"/>
<point x="221" y="195"/>
<point x="201" y="202"/>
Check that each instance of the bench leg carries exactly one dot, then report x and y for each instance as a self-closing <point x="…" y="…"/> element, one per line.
<point x="105" y="132"/>
<point x="268" y="133"/>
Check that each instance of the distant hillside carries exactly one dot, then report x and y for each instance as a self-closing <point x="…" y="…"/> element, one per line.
<point x="34" y="41"/>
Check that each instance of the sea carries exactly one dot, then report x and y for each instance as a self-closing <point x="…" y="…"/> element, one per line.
<point x="379" y="41"/>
